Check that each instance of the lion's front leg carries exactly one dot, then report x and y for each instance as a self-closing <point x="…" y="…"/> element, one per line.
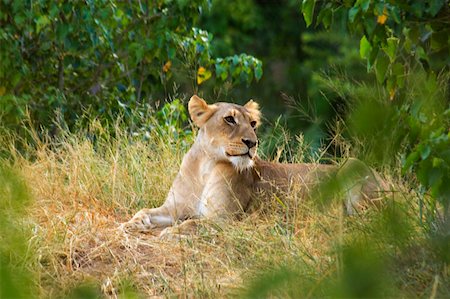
<point x="147" y="219"/>
<point x="225" y="194"/>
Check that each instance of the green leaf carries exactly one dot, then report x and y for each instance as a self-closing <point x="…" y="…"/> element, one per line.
<point x="54" y="10"/>
<point x="325" y="17"/>
<point x="379" y="8"/>
<point x="236" y="72"/>
<point x="41" y="22"/>
<point x="258" y="71"/>
<point x="235" y="60"/>
<point x="410" y="160"/>
<point x="420" y="52"/>
<point x="381" y="67"/>
<point x="364" y="48"/>
<point x="372" y="57"/>
<point x="221" y="70"/>
<point x="439" y="40"/>
<point x="435" y="6"/>
<point x="425" y="152"/>
<point x="61" y="31"/>
<point x="437" y="162"/>
<point x="19" y="19"/>
<point x="308" y="11"/>
<point x="370" y="24"/>
<point x="395" y="14"/>
<point x="171" y="53"/>
<point x="224" y="76"/>
<point x="391" y="47"/>
<point x="414" y="34"/>
<point x="417" y="8"/>
<point x="365" y="4"/>
<point x="398" y="70"/>
<point x="352" y="13"/>
<point x="435" y="178"/>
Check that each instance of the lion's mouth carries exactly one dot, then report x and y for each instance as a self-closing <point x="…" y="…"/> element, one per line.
<point x="247" y="154"/>
<point x="241" y="162"/>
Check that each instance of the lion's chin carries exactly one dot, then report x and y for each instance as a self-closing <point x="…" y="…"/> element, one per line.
<point x="241" y="163"/>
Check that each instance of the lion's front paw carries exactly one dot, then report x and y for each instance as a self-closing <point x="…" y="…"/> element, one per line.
<point x="141" y="222"/>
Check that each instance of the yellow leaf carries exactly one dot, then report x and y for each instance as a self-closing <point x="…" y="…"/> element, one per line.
<point x="167" y="66"/>
<point x="382" y="18"/>
<point x="392" y="94"/>
<point x="202" y="75"/>
<point x="201" y="70"/>
<point x="2" y="90"/>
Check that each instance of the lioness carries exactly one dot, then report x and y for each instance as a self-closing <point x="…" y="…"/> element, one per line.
<point x="221" y="172"/>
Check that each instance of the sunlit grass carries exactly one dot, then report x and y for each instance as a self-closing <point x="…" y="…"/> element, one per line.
<point x="82" y="188"/>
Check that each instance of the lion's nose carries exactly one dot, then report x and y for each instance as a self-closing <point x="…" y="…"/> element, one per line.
<point x="249" y="143"/>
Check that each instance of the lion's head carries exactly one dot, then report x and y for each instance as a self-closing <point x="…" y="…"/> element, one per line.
<point x="227" y="131"/>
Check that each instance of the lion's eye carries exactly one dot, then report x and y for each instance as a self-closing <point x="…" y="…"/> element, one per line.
<point x="253" y="123"/>
<point x="230" y="120"/>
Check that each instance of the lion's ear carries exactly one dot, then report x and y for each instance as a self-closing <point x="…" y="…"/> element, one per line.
<point x="199" y="110"/>
<point x="253" y="108"/>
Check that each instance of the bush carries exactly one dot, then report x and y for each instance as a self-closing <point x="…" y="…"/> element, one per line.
<point x="103" y="55"/>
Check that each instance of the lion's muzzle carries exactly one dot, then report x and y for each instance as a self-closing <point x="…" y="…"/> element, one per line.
<point x="245" y="149"/>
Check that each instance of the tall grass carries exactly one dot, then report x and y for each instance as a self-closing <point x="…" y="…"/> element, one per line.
<point x="81" y="185"/>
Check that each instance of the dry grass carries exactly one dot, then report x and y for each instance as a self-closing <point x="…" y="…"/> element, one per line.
<point x="82" y="190"/>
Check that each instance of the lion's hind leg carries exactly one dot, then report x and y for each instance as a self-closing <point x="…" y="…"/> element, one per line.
<point x="362" y="186"/>
<point x="148" y="219"/>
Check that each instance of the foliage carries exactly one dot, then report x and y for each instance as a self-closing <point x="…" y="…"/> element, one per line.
<point x="169" y="121"/>
<point x="427" y="121"/>
<point x="405" y="43"/>
<point x="97" y="54"/>
<point x="393" y="33"/>
<point x="292" y="56"/>
<point x="16" y="279"/>
<point x="255" y="27"/>
<point x="197" y="56"/>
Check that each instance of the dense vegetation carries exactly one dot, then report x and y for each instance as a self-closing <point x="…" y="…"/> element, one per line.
<point x="93" y="125"/>
<point x="105" y="56"/>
